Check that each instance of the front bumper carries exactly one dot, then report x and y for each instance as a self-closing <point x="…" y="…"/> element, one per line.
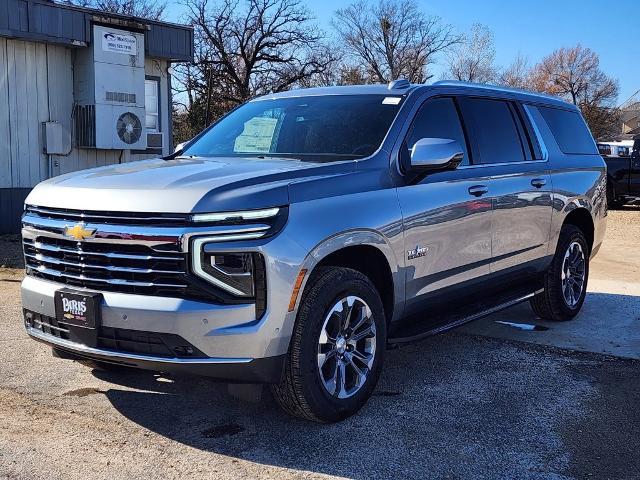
<point x="243" y="370"/>
<point x="237" y="347"/>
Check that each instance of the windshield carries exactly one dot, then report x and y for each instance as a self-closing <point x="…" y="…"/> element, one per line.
<point x="314" y="128"/>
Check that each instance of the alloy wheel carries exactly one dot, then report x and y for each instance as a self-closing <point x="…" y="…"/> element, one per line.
<point x="346" y="347"/>
<point x="573" y="274"/>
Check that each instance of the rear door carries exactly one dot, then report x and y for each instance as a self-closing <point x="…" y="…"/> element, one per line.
<point x="521" y="187"/>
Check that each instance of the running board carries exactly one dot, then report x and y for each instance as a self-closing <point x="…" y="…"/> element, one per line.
<point x="456" y="320"/>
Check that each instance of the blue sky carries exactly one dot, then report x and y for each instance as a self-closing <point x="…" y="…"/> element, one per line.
<point x="534" y="28"/>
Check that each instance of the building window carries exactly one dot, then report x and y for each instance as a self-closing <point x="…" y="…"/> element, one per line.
<point x="152" y="104"/>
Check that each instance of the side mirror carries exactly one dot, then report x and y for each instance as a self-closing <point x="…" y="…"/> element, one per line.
<point x="180" y="147"/>
<point x="436" y="154"/>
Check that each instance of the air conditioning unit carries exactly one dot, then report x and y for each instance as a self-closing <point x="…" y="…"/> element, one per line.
<point x="155" y="140"/>
<point x="109" y="91"/>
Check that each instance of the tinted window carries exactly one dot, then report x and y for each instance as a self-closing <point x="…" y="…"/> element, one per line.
<point x="494" y="130"/>
<point x="604" y="149"/>
<point x="318" y="128"/>
<point x="438" y="118"/>
<point x="569" y="130"/>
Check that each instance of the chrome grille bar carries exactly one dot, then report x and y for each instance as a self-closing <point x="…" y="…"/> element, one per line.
<point x="109" y="281"/>
<point x="113" y="217"/>
<point x="152" y="237"/>
<point x="80" y="251"/>
<point x="43" y="258"/>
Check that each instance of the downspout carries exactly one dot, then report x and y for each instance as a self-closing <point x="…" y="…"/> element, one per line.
<point x="169" y="109"/>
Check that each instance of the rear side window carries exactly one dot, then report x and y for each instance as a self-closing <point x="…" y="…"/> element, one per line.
<point x="495" y="132"/>
<point x="569" y="130"/>
<point x="438" y="118"/>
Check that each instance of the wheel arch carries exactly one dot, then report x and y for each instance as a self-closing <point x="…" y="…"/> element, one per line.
<point x="582" y="219"/>
<point x="369" y="253"/>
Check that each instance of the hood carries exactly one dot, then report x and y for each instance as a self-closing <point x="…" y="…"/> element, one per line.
<point x="180" y="185"/>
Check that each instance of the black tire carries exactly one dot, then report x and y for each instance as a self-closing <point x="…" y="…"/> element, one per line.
<point x="302" y="391"/>
<point x="551" y="303"/>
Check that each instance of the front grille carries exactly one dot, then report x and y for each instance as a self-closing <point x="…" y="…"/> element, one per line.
<point x="108" y="267"/>
<point x="132" y="252"/>
<point x="120" y="340"/>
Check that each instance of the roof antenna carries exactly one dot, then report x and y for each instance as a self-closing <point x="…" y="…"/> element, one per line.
<point x="398" y="84"/>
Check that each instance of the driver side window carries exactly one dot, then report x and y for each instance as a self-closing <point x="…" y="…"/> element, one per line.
<point x="438" y="118"/>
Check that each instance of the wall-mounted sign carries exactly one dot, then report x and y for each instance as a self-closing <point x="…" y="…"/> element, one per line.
<point x="119" y="43"/>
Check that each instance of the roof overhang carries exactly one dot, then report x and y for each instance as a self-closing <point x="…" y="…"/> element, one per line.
<point x="44" y="21"/>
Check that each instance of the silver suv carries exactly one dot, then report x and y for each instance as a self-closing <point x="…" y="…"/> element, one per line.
<point x="302" y="233"/>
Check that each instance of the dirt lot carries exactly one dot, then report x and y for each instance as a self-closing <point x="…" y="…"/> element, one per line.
<point x="10" y="252"/>
<point x="458" y="405"/>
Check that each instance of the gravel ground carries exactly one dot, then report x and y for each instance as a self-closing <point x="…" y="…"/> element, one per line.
<point x="453" y="406"/>
<point x="10" y="252"/>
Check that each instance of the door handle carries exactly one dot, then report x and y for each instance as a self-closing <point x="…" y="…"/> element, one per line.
<point x="478" y="190"/>
<point x="538" y="182"/>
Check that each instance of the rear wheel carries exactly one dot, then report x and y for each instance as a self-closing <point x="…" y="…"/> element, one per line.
<point x="337" y="347"/>
<point x="565" y="282"/>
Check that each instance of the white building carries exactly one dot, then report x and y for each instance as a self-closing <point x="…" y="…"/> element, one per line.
<point x="79" y="88"/>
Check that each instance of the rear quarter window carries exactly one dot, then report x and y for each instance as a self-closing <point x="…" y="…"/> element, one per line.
<point x="569" y="130"/>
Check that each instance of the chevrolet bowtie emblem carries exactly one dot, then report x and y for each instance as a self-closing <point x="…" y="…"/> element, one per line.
<point x="79" y="232"/>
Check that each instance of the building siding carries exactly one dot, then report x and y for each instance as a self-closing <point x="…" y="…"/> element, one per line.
<point x="36" y="86"/>
<point x="11" y="201"/>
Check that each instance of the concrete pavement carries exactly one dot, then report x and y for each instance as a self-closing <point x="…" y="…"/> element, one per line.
<point x="610" y="318"/>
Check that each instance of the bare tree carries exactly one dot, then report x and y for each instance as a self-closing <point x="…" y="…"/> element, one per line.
<point x="517" y="74"/>
<point x="575" y="74"/>
<point x="393" y="39"/>
<point x="152" y="9"/>
<point x="473" y="59"/>
<point x="246" y="48"/>
<point x="269" y="46"/>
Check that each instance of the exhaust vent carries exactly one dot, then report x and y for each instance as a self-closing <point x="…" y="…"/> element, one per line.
<point x="121" y="97"/>
<point x="85" y="126"/>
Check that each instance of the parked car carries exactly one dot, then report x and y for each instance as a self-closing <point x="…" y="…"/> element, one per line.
<point x="302" y="233"/>
<point x="623" y="171"/>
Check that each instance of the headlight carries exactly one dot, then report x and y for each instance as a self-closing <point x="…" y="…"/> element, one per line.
<point x="242" y="216"/>
<point x="242" y="274"/>
<point x="233" y="272"/>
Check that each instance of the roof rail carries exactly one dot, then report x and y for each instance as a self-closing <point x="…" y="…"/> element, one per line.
<point x="399" y="84"/>
<point x="498" y="88"/>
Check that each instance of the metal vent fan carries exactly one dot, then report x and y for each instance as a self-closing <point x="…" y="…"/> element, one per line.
<point x="129" y="128"/>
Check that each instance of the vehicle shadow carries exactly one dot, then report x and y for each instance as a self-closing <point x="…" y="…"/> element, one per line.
<point x="446" y="407"/>
<point x="608" y="323"/>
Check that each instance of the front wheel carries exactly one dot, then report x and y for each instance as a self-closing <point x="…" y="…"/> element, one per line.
<point x="337" y="347"/>
<point x="565" y="282"/>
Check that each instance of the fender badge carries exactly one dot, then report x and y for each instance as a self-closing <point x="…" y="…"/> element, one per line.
<point x="417" y="252"/>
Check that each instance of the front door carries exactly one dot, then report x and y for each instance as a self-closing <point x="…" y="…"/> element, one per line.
<point x="446" y="215"/>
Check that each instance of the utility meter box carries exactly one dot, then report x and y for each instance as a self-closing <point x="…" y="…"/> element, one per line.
<point x="109" y="91"/>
